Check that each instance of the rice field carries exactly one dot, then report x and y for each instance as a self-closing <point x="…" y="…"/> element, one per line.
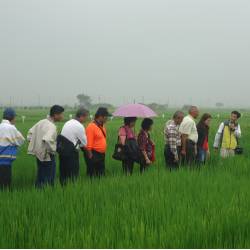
<point x="206" y="208"/>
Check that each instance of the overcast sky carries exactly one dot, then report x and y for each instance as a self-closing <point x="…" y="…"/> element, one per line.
<point x="176" y="51"/>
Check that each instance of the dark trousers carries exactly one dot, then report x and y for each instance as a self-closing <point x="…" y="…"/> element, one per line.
<point x="190" y="158"/>
<point x="69" y="167"/>
<point x="170" y="158"/>
<point x="96" y="165"/>
<point x="46" y="172"/>
<point x="143" y="167"/>
<point x="5" y="176"/>
<point x="128" y="166"/>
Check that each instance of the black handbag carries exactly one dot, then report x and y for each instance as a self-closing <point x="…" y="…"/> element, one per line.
<point x="239" y="151"/>
<point x="132" y="151"/>
<point x="119" y="154"/>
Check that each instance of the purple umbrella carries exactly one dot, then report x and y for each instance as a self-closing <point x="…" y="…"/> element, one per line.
<point x="134" y="110"/>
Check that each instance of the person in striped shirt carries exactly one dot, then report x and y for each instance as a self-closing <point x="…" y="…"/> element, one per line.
<point x="10" y="140"/>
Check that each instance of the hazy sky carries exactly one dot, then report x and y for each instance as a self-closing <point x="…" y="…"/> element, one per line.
<point x="176" y="51"/>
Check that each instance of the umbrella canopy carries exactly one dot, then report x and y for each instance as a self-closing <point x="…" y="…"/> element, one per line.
<point x="134" y="110"/>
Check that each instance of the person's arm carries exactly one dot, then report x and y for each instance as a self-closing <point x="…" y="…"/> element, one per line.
<point x="217" y="140"/>
<point x="148" y="162"/>
<point x="142" y="141"/>
<point x="184" y="138"/>
<point x="238" y="131"/>
<point x="30" y="133"/>
<point x="19" y="139"/>
<point x="90" y="139"/>
<point x="50" y="140"/>
<point x="81" y="136"/>
<point x="185" y="130"/>
<point x="122" y="136"/>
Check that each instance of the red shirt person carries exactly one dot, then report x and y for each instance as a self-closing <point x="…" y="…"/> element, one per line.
<point x="146" y="145"/>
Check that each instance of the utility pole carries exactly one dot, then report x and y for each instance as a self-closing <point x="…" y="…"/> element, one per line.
<point x="143" y="100"/>
<point x="39" y="100"/>
<point x="10" y="101"/>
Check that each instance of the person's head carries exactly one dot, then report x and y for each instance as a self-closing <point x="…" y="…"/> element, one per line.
<point x="147" y="124"/>
<point x="205" y="120"/>
<point x="10" y="115"/>
<point x="235" y="116"/>
<point x="82" y="115"/>
<point x="178" y="117"/>
<point x="194" y="112"/>
<point x="56" y="113"/>
<point x="102" y="115"/>
<point x="130" y="121"/>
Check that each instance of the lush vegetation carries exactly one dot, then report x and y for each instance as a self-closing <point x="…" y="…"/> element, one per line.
<point x="205" y="208"/>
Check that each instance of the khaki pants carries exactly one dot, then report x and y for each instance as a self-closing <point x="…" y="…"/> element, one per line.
<point x="225" y="153"/>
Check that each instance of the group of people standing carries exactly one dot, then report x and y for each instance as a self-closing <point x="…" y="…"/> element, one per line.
<point x="186" y="143"/>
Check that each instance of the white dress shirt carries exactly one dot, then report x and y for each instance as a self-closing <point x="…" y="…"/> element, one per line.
<point x="188" y="127"/>
<point x="74" y="131"/>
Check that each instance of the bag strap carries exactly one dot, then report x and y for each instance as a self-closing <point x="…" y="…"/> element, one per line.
<point x="98" y="125"/>
<point x="126" y="131"/>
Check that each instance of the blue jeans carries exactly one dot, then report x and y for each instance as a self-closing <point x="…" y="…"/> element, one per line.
<point x="202" y="156"/>
<point x="46" y="172"/>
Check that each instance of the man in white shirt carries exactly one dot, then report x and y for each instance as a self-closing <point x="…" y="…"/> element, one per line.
<point x="10" y="140"/>
<point x="189" y="136"/>
<point x="73" y="137"/>
<point x="42" y="139"/>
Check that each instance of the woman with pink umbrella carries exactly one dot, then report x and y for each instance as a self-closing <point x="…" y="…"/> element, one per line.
<point x="127" y="136"/>
<point x="127" y="133"/>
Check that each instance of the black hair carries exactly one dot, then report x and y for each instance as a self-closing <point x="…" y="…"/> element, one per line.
<point x="177" y="114"/>
<point x="56" y="110"/>
<point x="102" y="111"/>
<point x="204" y="117"/>
<point x="238" y="114"/>
<point x="81" y="112"/>
<point x="147" y="123"/>
<point x="129" y="120"/>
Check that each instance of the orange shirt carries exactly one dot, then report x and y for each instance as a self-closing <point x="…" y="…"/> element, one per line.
<point x="96" y="139"/>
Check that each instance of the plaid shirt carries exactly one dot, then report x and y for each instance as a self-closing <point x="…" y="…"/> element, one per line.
<point x="173" y="136"/>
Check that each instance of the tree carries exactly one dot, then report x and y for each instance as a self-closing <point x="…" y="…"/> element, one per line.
<point x="219" y="105"/>
<point x="186" y="107"/>
<point x="159" y="108"/>
<point x="84" y="100"/>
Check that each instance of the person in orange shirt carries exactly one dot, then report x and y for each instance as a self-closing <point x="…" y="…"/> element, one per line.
<point x="97" y="144"/>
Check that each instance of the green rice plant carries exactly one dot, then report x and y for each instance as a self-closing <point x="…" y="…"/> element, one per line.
<point x="190" y="208"/>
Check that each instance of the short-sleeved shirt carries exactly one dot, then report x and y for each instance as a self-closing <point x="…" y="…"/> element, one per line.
<point x="75" y="132"/>
<point x="128" y="132"/>
<point x="96" y="138"/>
<point x="145" y="143"/>
<point x="188" y="127"/>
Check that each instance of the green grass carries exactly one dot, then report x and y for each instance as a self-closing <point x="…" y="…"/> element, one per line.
<point x="209" y="208"/>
